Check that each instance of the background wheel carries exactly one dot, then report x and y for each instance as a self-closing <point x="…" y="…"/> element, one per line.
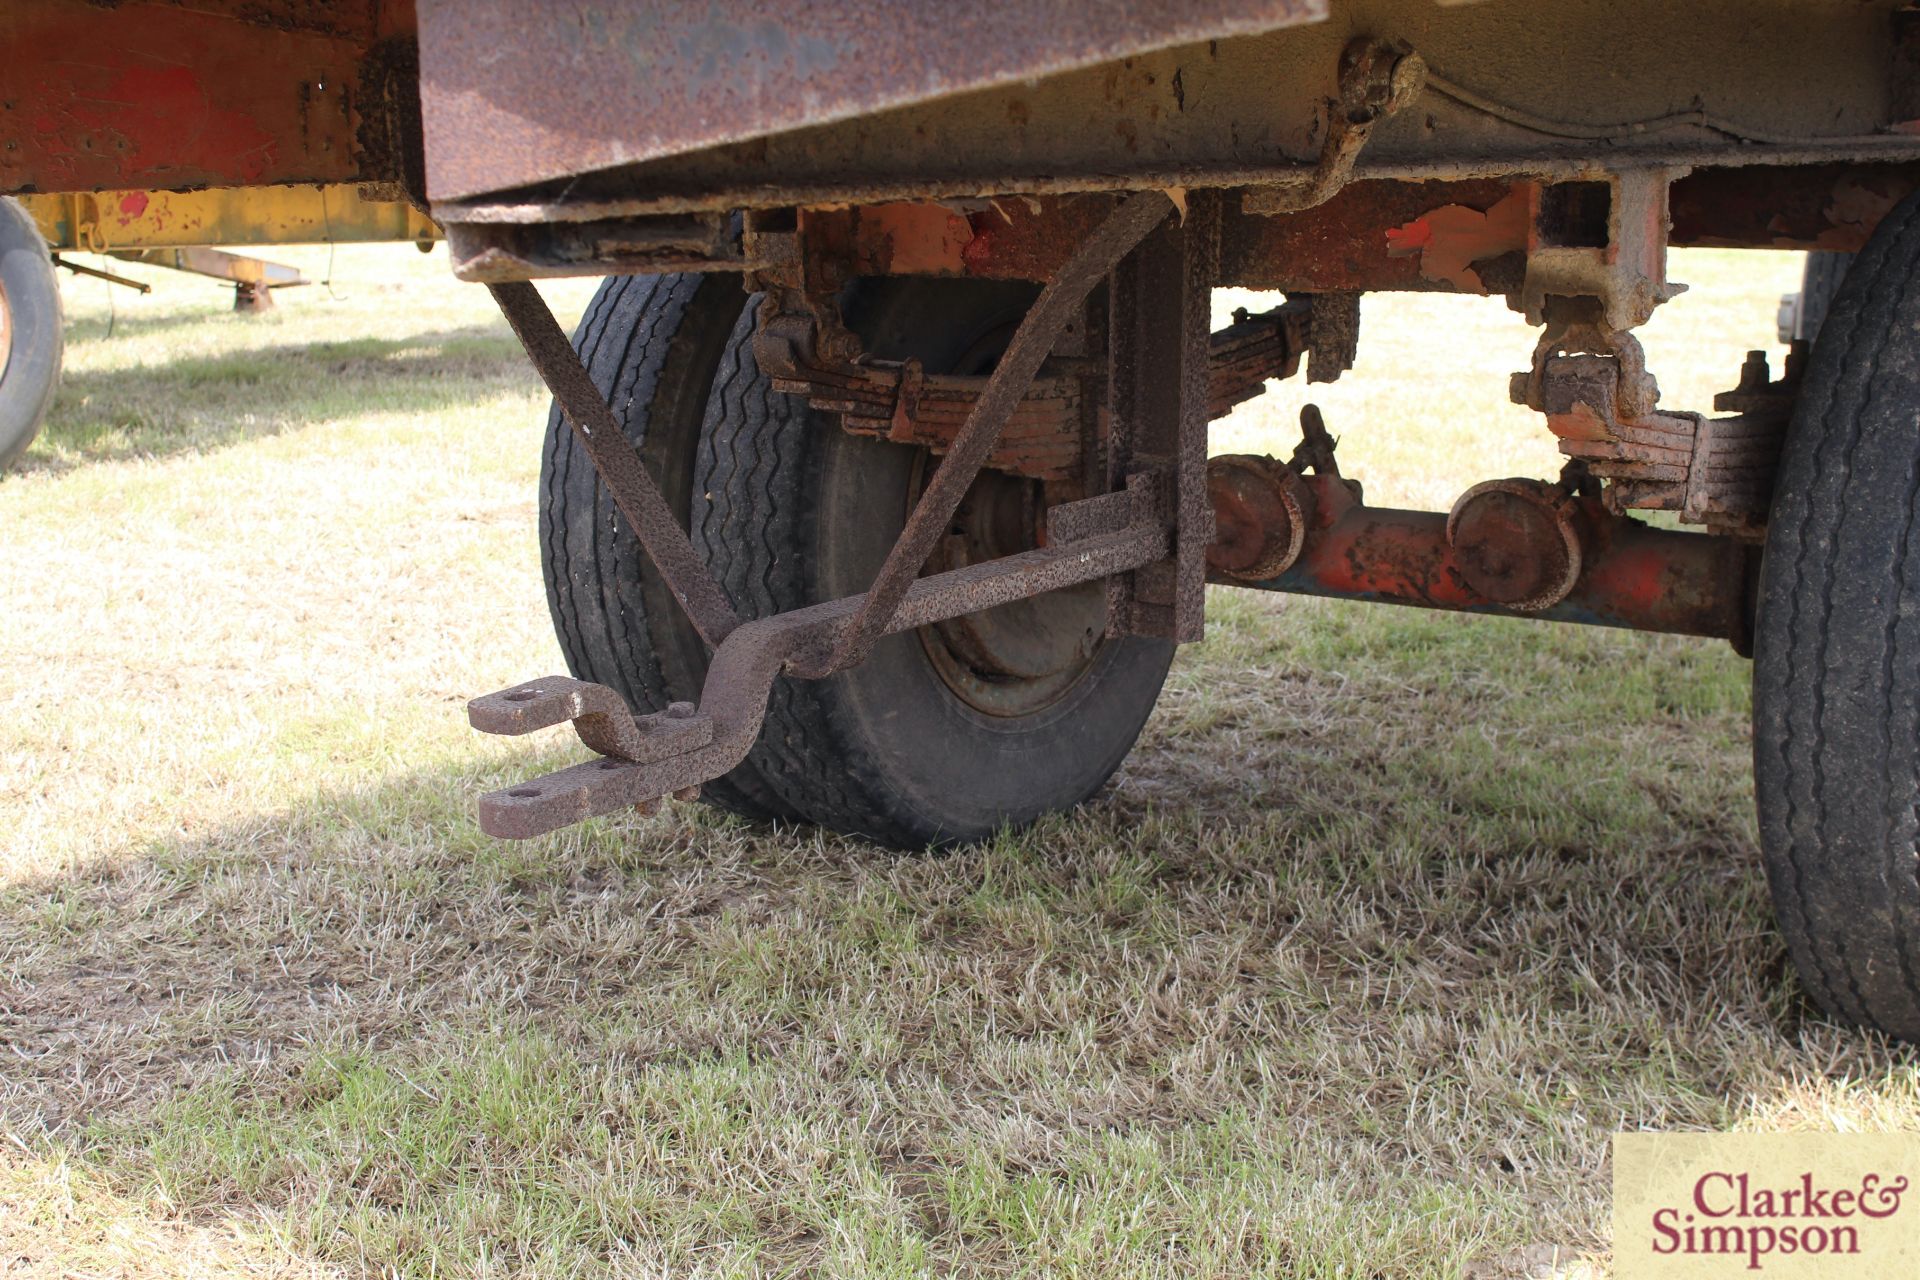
<point x="31" y="334"/>
<point x="652" y="344"/>
<point x="945" y="734"/>
<point x="1837" y="650"/>
<point x="1802" y="313"/>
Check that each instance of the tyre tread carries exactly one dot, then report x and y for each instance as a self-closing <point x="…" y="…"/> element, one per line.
<point x="1830" y="679"/>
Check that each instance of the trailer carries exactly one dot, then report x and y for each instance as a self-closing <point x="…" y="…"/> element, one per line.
<point x="176" y="230"/>
<point x="876" y="493"/>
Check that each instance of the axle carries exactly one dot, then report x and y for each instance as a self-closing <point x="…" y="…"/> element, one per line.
<point x="1514" y="548"/>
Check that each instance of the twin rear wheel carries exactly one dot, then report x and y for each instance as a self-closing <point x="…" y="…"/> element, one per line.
<point x="944" y="734"/>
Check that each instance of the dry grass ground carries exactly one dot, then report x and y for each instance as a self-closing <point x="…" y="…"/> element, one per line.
<point x="1388" y="923"/>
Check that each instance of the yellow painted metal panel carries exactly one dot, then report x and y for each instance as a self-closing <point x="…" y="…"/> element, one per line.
<point x="97" y="222"/>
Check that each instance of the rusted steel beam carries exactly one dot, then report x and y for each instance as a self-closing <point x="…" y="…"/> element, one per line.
<point x="222" y="93"/>
<point x="1633" y="576"/>
<point x="1157" y="404"/>
<point x="486" y="253"/>
<point x="1827" y="206"/>
<point x="1460" y="236"/>
<point x="1464" y="235"/>
<point x="1373" y="235"/>
<point x="1006" y="240"/>
<point x="1370" y="235"/>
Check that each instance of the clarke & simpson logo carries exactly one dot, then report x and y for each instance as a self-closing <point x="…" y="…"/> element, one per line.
<point x="1792" y="1205"/>
<point x="1726" y="1215"/>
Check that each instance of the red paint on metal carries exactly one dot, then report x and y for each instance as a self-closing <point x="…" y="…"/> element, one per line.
<point x="912" y="239"/>
<point x="1342" y="245"/>
<point x="1830" y="206"/>
<point x="153" y="120"/>
<point x="1450" y="239"/>
<point x="1636" y="577"/>
<point x="1021" y="239"/>
<point x="1029" y="239"/>
<point x="159" y="97"/>
<point x="132" y="205"/>
<point x="1379" y="234"/>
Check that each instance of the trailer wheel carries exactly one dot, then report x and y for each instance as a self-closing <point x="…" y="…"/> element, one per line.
<point x="945" y="734"/>
<point x="652" y="344"/>
<point x="1837" y="650"/>
<point x="1802" y="313"/>
<point x="31" y="335"/>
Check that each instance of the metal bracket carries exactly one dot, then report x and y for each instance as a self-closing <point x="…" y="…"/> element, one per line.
<point x="1059" y="302"/>
<point x="1593" y="386"/>
<point x="616" y="461"/>
<point x="1376" y="80"/>
<point x="1157" y="399"/>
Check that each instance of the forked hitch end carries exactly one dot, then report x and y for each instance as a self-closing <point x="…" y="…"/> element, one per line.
<point x="628" y="745"/>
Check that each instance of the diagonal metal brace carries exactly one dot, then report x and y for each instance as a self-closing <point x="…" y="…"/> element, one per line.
<point x="616" y="461"/>
<point x="674" y="751"/>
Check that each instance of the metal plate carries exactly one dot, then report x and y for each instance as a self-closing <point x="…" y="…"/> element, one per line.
<point x="512" y="99"/>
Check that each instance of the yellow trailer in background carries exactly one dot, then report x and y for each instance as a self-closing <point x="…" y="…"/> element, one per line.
<point x="174" y="229"/>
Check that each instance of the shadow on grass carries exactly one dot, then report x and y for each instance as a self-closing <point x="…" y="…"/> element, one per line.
<point x="202" y="404"/>
<point x="1349" y="961"/>
<point x="129" y="325"/>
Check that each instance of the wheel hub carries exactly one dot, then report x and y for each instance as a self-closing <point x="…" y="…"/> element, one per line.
<point x="1018" y="658"/>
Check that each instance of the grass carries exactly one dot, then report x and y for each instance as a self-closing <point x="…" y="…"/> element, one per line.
<point x="1387" y="924"/>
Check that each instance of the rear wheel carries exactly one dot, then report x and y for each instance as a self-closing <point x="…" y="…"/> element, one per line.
<point x="31" y="336"/>
<point x="945" y="734"/>
<point x="1837" y="650"/>
<point x="1802" y="313"/>
<point x="652" y="344"/>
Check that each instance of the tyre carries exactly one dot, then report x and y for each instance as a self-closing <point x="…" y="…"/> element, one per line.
<point x="31" y="334"/>
<point x="652" y="345"/>
<point x="1802" y="313"/>
<point x="949" y="733"/>
<point x="1837" y="650"/>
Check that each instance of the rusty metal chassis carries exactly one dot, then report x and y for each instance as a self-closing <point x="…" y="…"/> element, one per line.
<point x="1369" y="235"/>
<point x="1584" y="257"/>
<point x="1493" y="148"/>
<point x="1137" y="510"/>
<point x="1111" y="413"/>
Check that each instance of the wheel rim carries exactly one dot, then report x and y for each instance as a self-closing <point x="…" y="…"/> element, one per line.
<point x="1018" y="658"/>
